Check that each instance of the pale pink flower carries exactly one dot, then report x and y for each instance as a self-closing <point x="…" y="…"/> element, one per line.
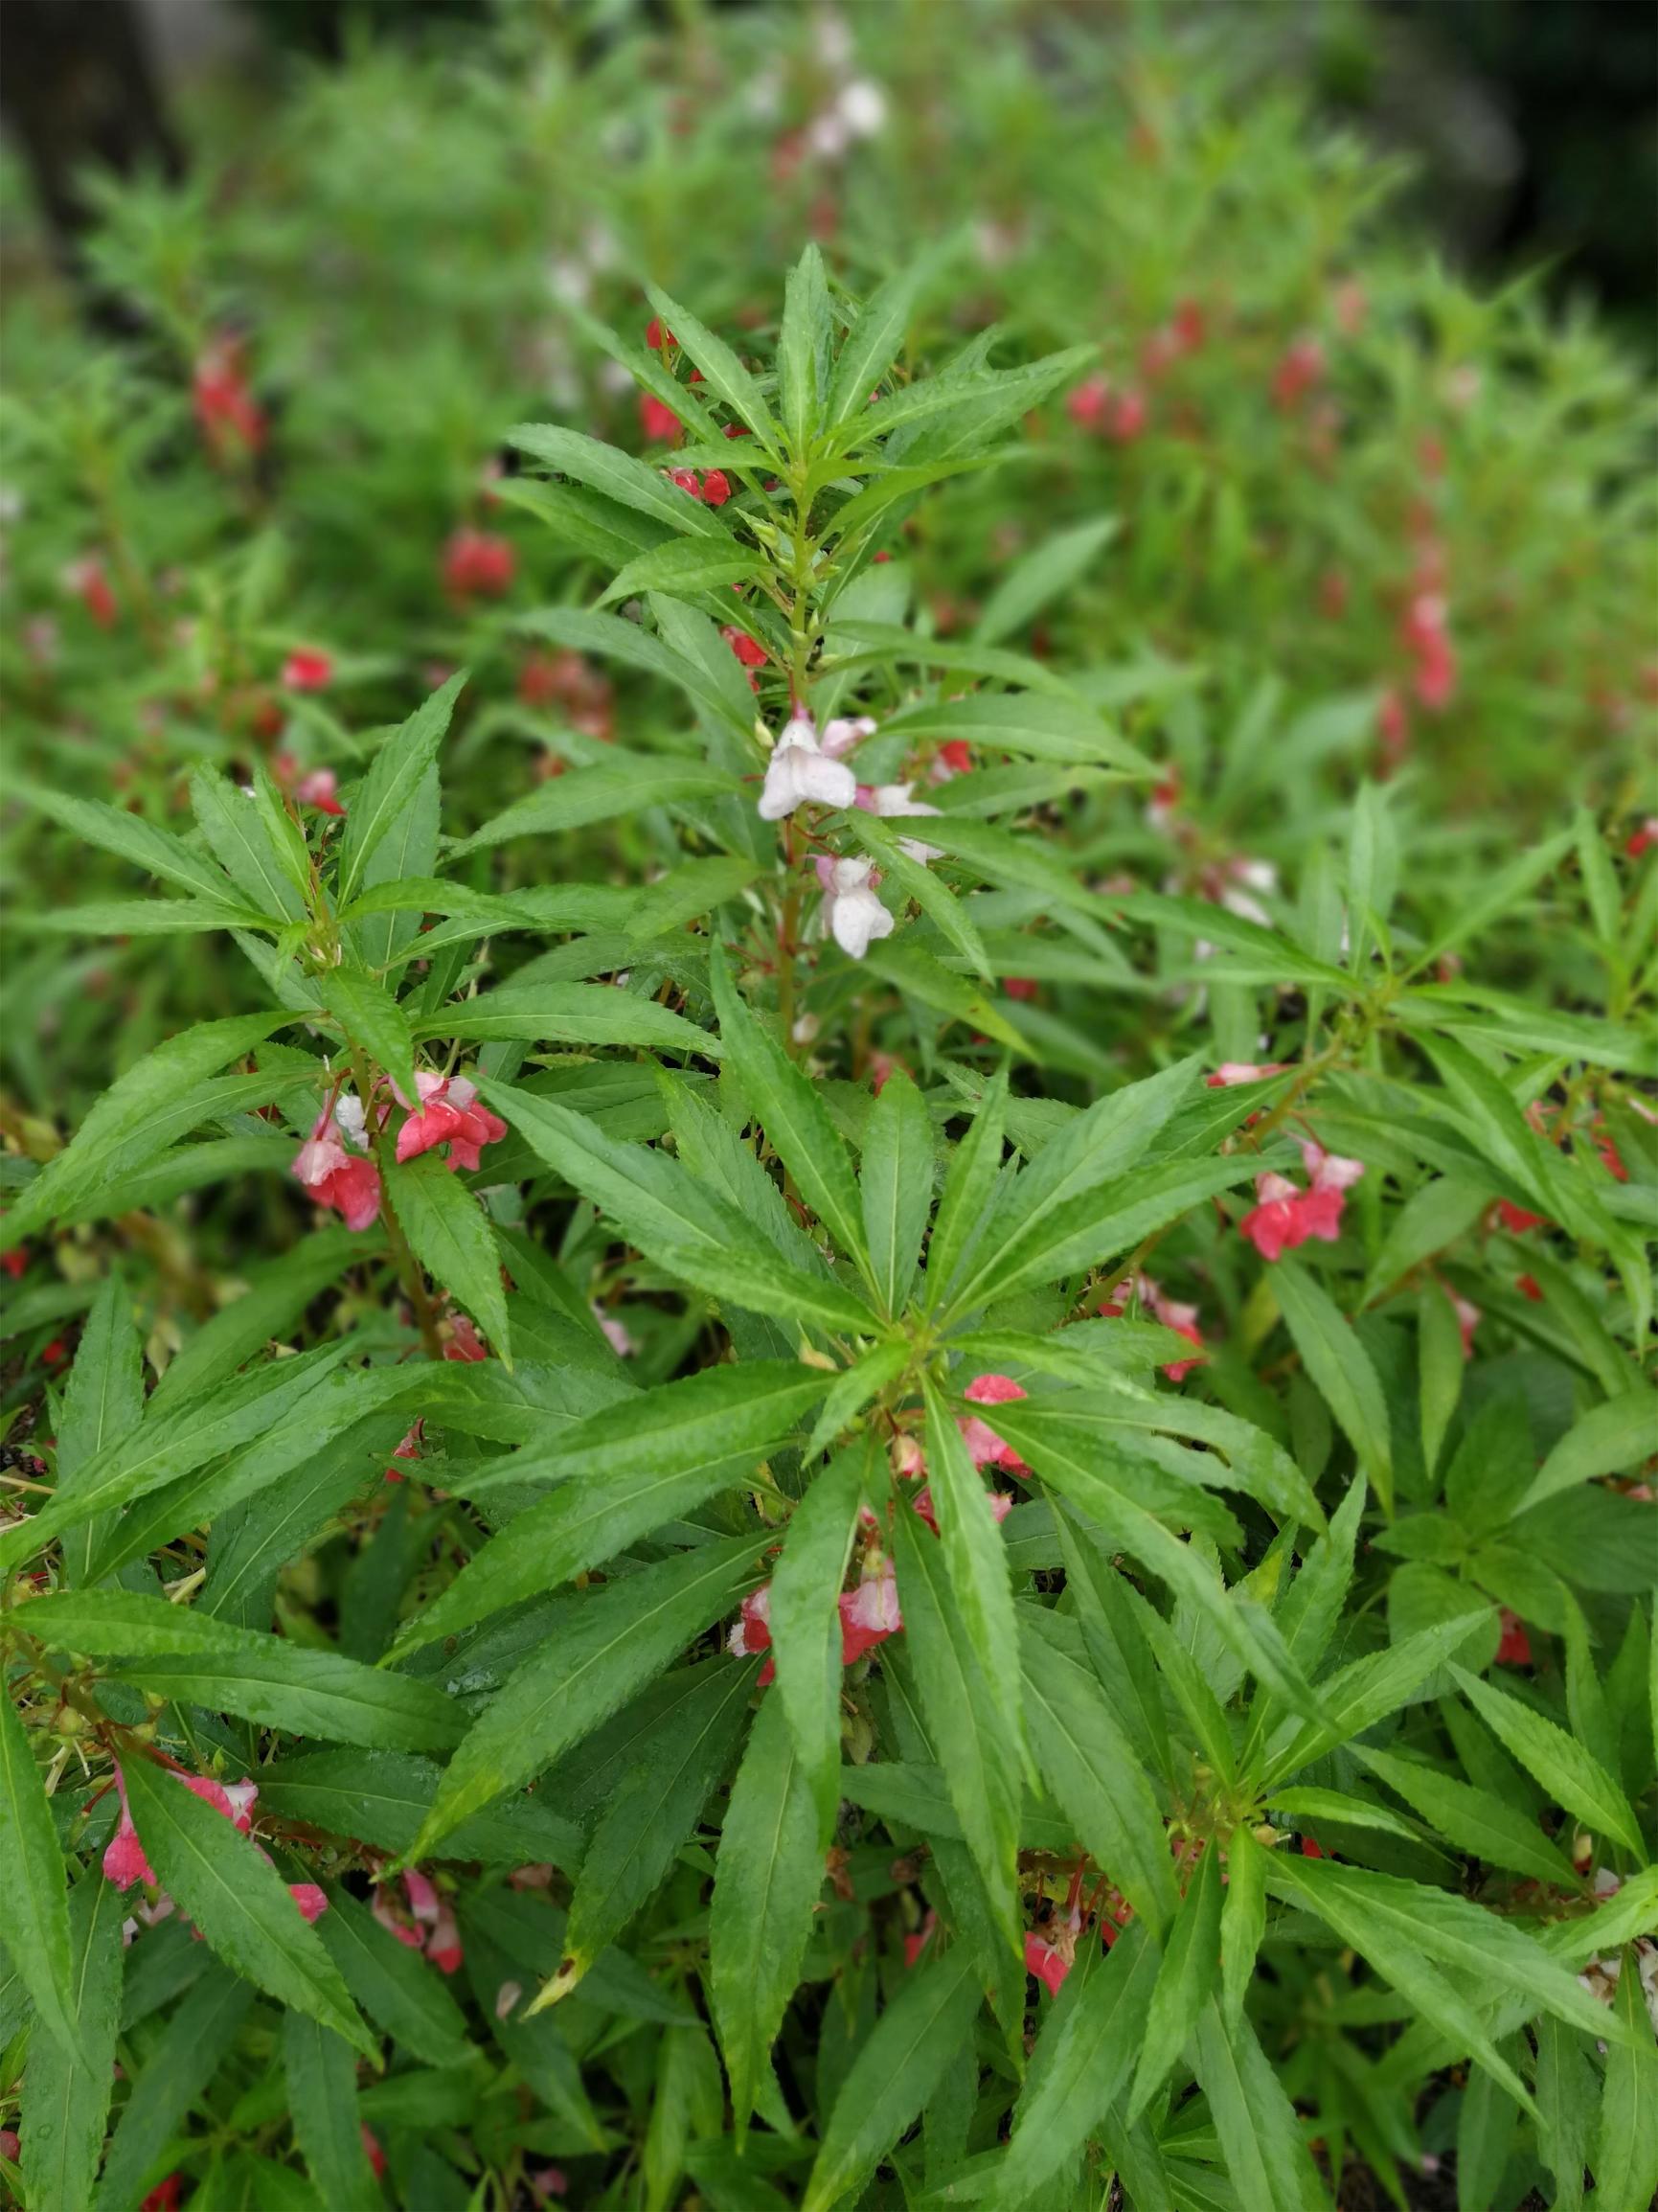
<point x="800" y="773"/>
<point x="870" y="1613"/>
<point x="984" y="1445"/>
<point x="855" y="915"/>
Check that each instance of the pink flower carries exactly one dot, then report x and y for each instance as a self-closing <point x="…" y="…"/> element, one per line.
<point x="123" y="1859"/>
<point x="547" y="2181"/>
<point x="909" y="1462"/>
<point x="1273" y="1224"/>
<point x="1236" y="1071"/>
<point x="1049" y="1966"/>
<point x="1468" y="1320"/>
<point x="1126" y="417"/>
<point x="954" y="757"/>
<point x="385" y="1911"/>
<point x="307" y="670"/>
<point x="310" y="1899"/>
<point x="225" y="408"/>
<point x="616" y="1335"/>
<point x="408" y="1448"/>
<point x="1001" y="1505"/>
<point x="752" y="1630"/>
<point x="656" y="419"/>
<point x="478" y="563"/>
<point x="372" y="2150"/>
<point x="448" y="1114"/>
<point x="1515" y="1647"/>
<point x="463" y="1341"/>
<point x="985" y="1447"/>
<point x="1643" y="837"/>
<point x="917" y="1941"/>
<point x="870" y="1614"/>
<point x="444" y="1943"/>
<point x="1086" y="404"/>
<point x="1299" y="368"/>
<point x="348" y="1181"/>
<point x="87" y="580"/>
<point x="319" y="790"/>
<point x="713" y="488"/>
<point x="10" y="2146"/>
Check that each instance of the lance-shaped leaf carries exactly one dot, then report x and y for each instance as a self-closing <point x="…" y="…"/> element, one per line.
<point x="965" y="1205"/>
<point x="322" y="2083"/>
<point x="898" y="1187"/>
<point x="622" y="1473"/>
<point x="1475" y="1820"/>
<point x="370" y="1016"/>
<point x="1089" y="1766"/>
<point x="31" y="1884"/>
<point x="1082" y="2061"/>
<point x="1341" y="1367"/>
<point x="618" y="475"/>
<point x="188" y="2052"/>
<point x="1260" y="2135"/>
<point x="1572" y="1776"/>
<point x="127" y="1109"/>
<point x="394" y="1985"/>
<point x="793" y="1115"/>
<point x="618" y="1639"/>
<point x="723" y="375"/>
<point x="894" y="2074"/>
<point x="1626" y="2154"/>
<point x="803" y="345"/>
<point x="650" y="1818"/>
<point x="975" y="1558"/>
<point x="65" y="2092"/>
<point x="239" y="1901"/>
<point x="394" y="775"/>
<point x="873" y="341"/>
<point x="964" y="1715"/>
<point x="675" y="1219"/>
<point x="1619" y="1434"/>
<point x="453" y="1240"/>
<point x="600" y="792"/>
<point x="104" y="1400"/>
<point x="1368" y="1689"/>
<point x="236" y="829"/>
<point x="1191" y="1958"/>
<point x="685" y="566"/>
<point x="805" y="1624"/>
<point x="381" y="1798"/>
<point x="766" y="1881"/>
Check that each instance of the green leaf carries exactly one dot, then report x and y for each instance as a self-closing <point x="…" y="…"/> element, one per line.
<point x="382" y="1798"/>
<point x="872" y="342"/>
<point x="600" y="793"/>
<point x="128" y="1108"/>
<point x="322" y="2085"/>
<point x="142" y="917"/>
<point x="1040" y="575"/>
<point x="569" y="1013"/>
<point x="964" y="1715"/>
<point x="183" y="2061"/>
<point x="893" y="2075"/>
<point x="675" y="1219"/>
<point x="724" y="376"/>
<point x="1242" y="1919"/>
<point x="104" y="1403"/>
<point x="1082" y="2061"/>
<point x="975" y="1560"/>
<point x="793" y="1115"/>
<point x="157" y="852"/>
<point x="238" y="1899"/>
<point x="370" y="1016"/>
<point x="806" y="1624"/>
<point x="396" y="1987"/>
<point x="685" y="567"/>
<point x="1032" y="1233"/>
<point x="918" y="882"/>
<point x="1566" y="2104"/>
<point x="616" y="475"/>
<point x="1627" y="2157"/>
<point x="1260" y="2135"/>
<point x="65" y="2094"/>
<point x="1341" y="1368"/>
<point x="451" y="1237"/>
<point x="1474" y="1819"/>
<point x="1367" y="1689"/>
<point x="766" y="1880"/>
<point x="234" y="826"/>
<point x="1572" y="1776"/>
<point x="964" y="1206"/>
<point x="1619" y="1434"/>
<point x="32" y="1884"/>
<point x="651" y="1817"/>
<point x="622" y="1473"/>
<point x="1190" y="1957"/>
<point x="619" y="1638"/>
<point x="1439" y="1366"/>
<point x="1064" y="731"/>
<point x="1089" y="1765"/>
<point x="803" y="356"/>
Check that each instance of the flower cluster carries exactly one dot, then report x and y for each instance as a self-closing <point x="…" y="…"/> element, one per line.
<point x="123" y="1855"/>
<point x="334" y="1162"/>
<point x="430" y="1924"/>
<point x="1286" y="1216"/>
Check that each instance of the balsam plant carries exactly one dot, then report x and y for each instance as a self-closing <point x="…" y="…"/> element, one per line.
<point x="950" y="1500"/>
<point x="412" y="1625"/>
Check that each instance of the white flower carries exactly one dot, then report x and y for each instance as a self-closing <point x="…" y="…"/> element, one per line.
<point x="862" y="108"/>
<point x="841" y="735"/>
<point x="894" y="800"/>
<point x="798" y="772"/>
<point x="857" y="917"/>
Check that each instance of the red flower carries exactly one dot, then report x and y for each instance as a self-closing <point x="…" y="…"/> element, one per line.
<point x="14" y="1261"/>
<point x="1048" y="1964"/>
<point x="955" y="757"/>
<point x="124" y="1857"/>
<point x="478" y="563"/>
<point x="1126" y="417"/>
<point x="1643" y="837"/>
<point x="1515" y="1647"/>
<point x="348" y="1181"/>
<point x="870" y="1613"/>
<point x="464" y="1342"/>
<point x="87" y="579"/>
<point x="1086" y="404"/>
<point x="1517" y="1218"/>
<point x="656" y="419"/>
<point x="1309" y="1848"/>
<point x="917" y="1943"/>
<point x="749" y="650"/>
<point x="1299" y="368"/>
<point x="656" y="333"/>
<point x="55" y="1354"/>
<point x="1020" y="986"/>
<point x="307" y="670"/>
<point x="320" y="790"/>
<point x="9" y="2147"/>
<point x="1529" y="1287"/>
<point x="225" y="408"/>
<point x="448" y="1114"/>
<point x="164" y="2197"/>
<point x="716" y="488"/>
<point x="377" y="2157"/>
<point x="985" y="1447"/>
